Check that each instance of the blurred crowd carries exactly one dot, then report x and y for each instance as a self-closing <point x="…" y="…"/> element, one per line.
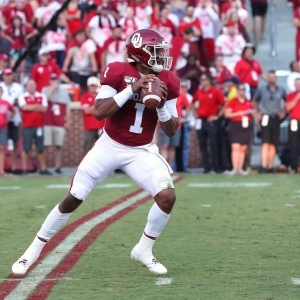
<point x="43" y="45"/>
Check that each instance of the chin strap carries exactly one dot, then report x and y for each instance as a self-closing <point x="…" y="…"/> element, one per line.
<point x="140" y="62"/>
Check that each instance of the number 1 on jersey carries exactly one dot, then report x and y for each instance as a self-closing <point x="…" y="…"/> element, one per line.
<point x="136" y="127"/>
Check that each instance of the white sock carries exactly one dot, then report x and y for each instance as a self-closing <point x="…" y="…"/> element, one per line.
<point x="53" y="222"/>
<point x="34" y="250"/>
<point x="157" y="220"/>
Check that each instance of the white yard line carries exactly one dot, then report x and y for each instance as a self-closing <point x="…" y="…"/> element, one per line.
<point x="40" y="206"/>
<point x="163" y="281"/>
<point x="230" y="185"/>
<point x="289" y="205"/>
<point x="46" y="279"/>
<point x="114" y="185"/>
<point x="101" y="186"/>
<point x="206" y="205"/>
<point x="51" y="261"/>
<point x="295" y="280"/>
<point x="58" y="186"/>
<point x="10" y="187"/>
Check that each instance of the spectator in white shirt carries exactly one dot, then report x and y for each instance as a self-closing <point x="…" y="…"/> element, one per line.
<point x="11" y="92"/>
<point x="44" y="13"/>
<point x="55" y="40"/>
<point x="239" y="27"/>
<point x="164" y="25"/>
<point x="241" y="12"/>
<point x="208" y="17"/>
<point x="100" y="26"/>
<point x="230" y="46"/>
<point x="143" y="11"/>
<point x="114" y="48"/>
<point x="295" y="73"/>
<point x="81" y="58"/>
<point x="129" y="23"/>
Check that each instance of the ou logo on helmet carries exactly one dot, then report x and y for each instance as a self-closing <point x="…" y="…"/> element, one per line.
<point x="136" y="40"/>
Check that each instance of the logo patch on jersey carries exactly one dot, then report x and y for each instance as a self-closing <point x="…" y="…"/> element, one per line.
<point x="129" y="79"/>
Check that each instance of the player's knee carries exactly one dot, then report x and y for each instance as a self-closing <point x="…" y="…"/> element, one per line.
<point x="166" y="200"/>
<point x="69" y="203"/>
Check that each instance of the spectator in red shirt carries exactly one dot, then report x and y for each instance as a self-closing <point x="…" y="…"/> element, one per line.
<point x="57" y="118"/>
<point x="183" y="151"/>
<point x="18" y="34"/>
<point x="192" y="71"/>
<point x="41" y="72"/>
<point x="21" y="8"/>
<point x="25" y="11"/>
<point x="294" y="3"/>
<point x="224" y="5"/>
<point x="249" y="70"/>
<point x="92" y="127"/>
<point x="7" y="11"/>
<point x="239" y="110"/>
<point x="169" y="144"/>
<point x="293" y="107"/>
<point x="5" y="107"/>
<point x="33" y="106"/>
<point x="209" y="100"/>
<point x="296" y="22"/>
<point x="73" y="17"/>
<point x="163" y="25"/>
<point x="190" y="21"/>
<point x="219" y="71"/>
<point x="180" y="49"/>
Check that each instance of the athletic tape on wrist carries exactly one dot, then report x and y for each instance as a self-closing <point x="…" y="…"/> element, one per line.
<point x="122" y="97"/>
<point x="163" y="114"/>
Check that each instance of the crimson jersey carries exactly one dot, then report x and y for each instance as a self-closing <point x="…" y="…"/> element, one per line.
<point x="134" y="124"/>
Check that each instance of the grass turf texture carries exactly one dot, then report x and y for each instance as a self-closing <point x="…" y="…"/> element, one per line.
<point x="244" y="246"/>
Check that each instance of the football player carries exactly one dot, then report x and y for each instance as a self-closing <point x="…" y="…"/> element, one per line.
<point x="125" y="144"/>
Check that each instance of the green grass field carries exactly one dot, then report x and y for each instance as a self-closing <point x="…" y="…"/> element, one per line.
<point x="229" y="238"/>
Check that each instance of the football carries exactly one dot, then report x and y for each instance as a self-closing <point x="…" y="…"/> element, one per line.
<point x="281" y="169"/>
<point x="151" y="96"/>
